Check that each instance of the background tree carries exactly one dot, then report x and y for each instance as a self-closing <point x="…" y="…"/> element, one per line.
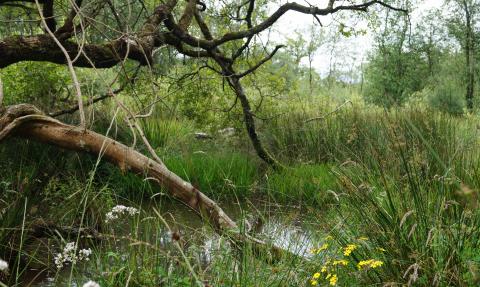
<point x="463" y="27"/>
<point x="396" y="67"/>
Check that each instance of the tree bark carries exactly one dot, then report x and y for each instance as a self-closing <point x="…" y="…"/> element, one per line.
<point x="250" y="124"/>
<point x="469" y="57"/>
<point x="28" y="122"/>
<point x="15" y="49"/>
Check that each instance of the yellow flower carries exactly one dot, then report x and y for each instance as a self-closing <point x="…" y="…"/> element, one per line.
<point x="349" y="249"/>
<point x="333" y="280"/>
<point x="313" y="282"/>
<point x="323" y="247"/>
<point x="364" y="263"/>
<point x="369" y="263"/>
<point x="316" y="275"/>
<point x="318" y="250"/>
<point x="324" y="269"/>
<point x="341" y="262"/>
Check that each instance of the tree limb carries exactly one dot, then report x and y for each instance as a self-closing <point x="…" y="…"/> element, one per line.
<point x="209" y="44"/>
<point x="15" y="49"/>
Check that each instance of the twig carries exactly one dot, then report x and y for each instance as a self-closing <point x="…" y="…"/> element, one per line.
<point x="263" y="61"/>
<point x="73" y="109"/>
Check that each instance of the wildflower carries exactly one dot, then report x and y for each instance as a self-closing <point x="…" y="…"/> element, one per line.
<point x="3" y="265"/>
<point x="364" y="263"/>
<point x="69" y="255"/>
<point x="369" y="263"/>
<point x="316" y="275"/>
<point x="333" y="280"/>
<point x="312" y="282"/>
<point x="91" y="284"/>
<point x="120" y="210"/>
<point x="320" y="249"/>
<point x="349" y="249"/>
<point x="376" y="263"/>
<point x="340" y="262"/>
<point x="324" y="269"/>
<point x="323" y="247"/>
<point x="59" y="261"/>
<point x="84" y="254"/>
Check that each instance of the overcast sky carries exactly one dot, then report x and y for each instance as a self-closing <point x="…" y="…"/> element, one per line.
<point x="350" y="51"/>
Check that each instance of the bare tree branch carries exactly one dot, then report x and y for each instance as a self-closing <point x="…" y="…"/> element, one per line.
<point x="73" y="109"/>
<point x="209" y="44"/>
<point x="260" y="63"/>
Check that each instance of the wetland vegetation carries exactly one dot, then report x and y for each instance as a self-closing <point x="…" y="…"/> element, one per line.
<point x="165" y="143"/>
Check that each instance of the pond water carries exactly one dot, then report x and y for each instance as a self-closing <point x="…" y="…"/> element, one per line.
<point x="285" y="226"/>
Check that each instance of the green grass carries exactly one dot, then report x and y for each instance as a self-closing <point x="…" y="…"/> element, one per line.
<point x="217" y="173"/>
<point x="314" y="184"/>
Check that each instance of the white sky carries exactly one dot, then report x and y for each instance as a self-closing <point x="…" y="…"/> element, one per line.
<point x="350" y="51"/>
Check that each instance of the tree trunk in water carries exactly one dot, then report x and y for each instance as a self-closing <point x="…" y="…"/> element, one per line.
<point x="28" y="122"/>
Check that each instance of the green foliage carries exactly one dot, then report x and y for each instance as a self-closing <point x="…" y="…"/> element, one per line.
<point x="217" y="173"/>
<point x="392" y="75"/>
<point x="34" y="82"/>
<point x="447" y="98"/>
<point x="312" y="183"/>
<point x="448" y="85"/>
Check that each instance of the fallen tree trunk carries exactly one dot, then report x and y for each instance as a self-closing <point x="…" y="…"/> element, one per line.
<point x="28" y="122"/>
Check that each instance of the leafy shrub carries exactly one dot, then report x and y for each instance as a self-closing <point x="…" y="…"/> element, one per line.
<point x="448" y="98"/>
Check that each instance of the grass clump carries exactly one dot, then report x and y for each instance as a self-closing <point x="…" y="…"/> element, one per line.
<point x="311" y="183"/>
<point x="217" y="173"/>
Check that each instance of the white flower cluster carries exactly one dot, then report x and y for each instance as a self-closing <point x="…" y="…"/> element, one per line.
<point x="119" y="210"/>
<point x="91" y="284"/>
<point x="69" y="255"/>
<point x="3" y="265"/>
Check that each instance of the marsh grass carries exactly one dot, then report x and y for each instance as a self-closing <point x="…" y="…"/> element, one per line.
<point x="313" y="184"/>
<point x="422" y="208"/>
<point x="407" y="179"/>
